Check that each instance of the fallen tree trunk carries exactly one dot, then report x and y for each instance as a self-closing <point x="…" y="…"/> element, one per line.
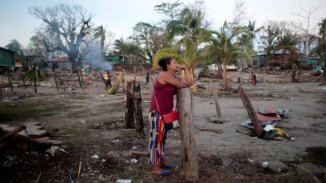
<point x="116" y="85"/>
<point x="251" y="112"/>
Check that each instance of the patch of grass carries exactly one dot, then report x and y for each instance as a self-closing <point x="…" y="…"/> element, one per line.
<point x="81" y="97"/>
<point x="73" y="135"/>
<point x="17" y="112"/>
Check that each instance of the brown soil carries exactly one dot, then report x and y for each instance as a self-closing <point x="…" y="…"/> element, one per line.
<point x="91" y="122"/>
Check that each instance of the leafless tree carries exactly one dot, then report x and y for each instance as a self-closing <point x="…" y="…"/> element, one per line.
<point x="308" y="36"/>
<point x="66" y="28"/>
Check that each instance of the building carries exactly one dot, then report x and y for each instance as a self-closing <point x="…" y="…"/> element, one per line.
<point x="7" y="58"/>
<point x="60" y="63"/>
<point x="278" y="58"/>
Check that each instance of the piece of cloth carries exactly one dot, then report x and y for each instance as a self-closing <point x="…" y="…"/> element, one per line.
<point x="264" y="118"/>
<point x="164" y="96"/>
<point x="157" y="138"/>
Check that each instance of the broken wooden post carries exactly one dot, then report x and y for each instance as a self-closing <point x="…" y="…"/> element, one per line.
<point x="251" y="112"/>
<point x="217" y="107"/>
<point x="129" y="110"/>
<point x="34" y="74"/>
<point x="82" y="78"/>
<point x="189" y="162"/>
<point x="138" y="110"/>
<point x="9" y="81"/>
<point x="56" y="80"/>
<point x="79" y="78"/>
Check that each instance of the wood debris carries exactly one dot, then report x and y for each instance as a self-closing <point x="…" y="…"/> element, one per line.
<point x="30" y="132"/>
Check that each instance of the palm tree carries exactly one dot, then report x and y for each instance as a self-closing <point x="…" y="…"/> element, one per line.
<point x="224" y="47"/>
<point x="192" y="29"/>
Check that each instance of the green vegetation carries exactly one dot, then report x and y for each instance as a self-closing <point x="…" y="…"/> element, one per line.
<point x="17" y="112"/>
<point x="81" y="97"/>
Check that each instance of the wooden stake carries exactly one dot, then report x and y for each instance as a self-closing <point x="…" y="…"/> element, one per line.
<point x="9" y="81"/>
<point x="34" y="72"/>
<point x="38" y="177"/>
<point x="217" y="107"/>
<point x="189" y="162"/>
<point x="56" y="81"/>
<point x="251" y="112"/>
<point x="79" y="169"/>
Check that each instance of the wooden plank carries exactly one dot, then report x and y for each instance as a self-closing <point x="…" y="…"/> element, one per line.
<point x="12" y="132"/>
<point x="35" y="129"/>
<point x="46" y="140"/>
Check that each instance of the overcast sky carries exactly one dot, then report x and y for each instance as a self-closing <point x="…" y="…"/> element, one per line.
<point x="119" y="16"/>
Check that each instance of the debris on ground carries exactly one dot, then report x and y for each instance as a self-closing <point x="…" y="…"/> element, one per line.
<point x="29" y="132"/>
<point x="269" y="117"/>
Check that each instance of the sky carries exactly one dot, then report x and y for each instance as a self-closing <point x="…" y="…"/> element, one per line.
<point x="120" y="16"/>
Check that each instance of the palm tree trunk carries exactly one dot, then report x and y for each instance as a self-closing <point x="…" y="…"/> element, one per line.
<point x="220" y="71"/>
<point x="225" y="80"/>
<point x="192" y="75"/>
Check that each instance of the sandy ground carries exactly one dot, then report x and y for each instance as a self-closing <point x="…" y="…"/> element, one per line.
<point x="95" y="115"/>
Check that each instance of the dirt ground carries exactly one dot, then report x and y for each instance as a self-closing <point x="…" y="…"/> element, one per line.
<point x="91" y="125"/>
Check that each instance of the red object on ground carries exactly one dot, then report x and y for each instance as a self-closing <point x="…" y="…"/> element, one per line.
<point x="264" y="118"/>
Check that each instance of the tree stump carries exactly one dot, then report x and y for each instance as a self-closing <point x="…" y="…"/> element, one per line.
<point x="139" y="122"/>
<point x="189" y="161"/>
<point x="129" y="110"/>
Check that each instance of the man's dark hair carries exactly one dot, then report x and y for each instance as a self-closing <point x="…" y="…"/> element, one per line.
<point x="164" y="62"/>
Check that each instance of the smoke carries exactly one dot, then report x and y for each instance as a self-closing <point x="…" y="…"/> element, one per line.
<point x="95" y="57"/>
